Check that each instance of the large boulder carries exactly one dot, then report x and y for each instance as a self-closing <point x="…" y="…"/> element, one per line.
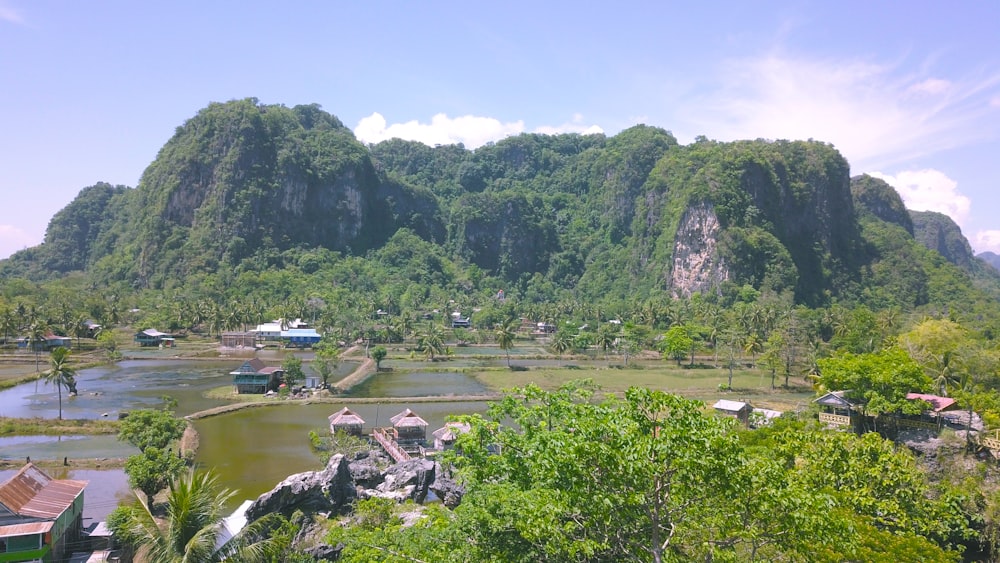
<point x="330" y="490"/>
<point x="407" y="480"/>
<point x="366" y="470"/>
<point x="445" y="487"/>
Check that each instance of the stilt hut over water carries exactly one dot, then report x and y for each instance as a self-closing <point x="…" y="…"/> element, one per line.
<point x="410" y="428"/>
<point x="444" y="437"/>
<point x="347" y="421"/>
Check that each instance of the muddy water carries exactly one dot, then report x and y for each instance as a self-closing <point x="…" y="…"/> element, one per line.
<point x="252" y="449"/>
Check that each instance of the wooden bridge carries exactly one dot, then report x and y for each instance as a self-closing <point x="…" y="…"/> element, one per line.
<point x="386" y="437"/>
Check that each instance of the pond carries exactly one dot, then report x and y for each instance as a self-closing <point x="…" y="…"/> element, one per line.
<point x="252" y="449"/>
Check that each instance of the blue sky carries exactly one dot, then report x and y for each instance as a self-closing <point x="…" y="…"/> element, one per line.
<point x="909" y="91"/>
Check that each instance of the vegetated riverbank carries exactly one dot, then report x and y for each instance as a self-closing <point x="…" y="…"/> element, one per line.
<point x="55" y="427"/>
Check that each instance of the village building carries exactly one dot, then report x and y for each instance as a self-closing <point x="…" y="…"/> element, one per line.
<point x="300" y="337"/>
<point x="409" y="427"/>
<point x="735" y="409"/>
<point x="836" y="409"/>
<point x="40" y="517"/>
<point x="153" y="337"/>
<point x="444" y="437"/>
<point x="347" y="421"/>
<point x="254" y="377"/>
<point x="268" y="332"/>
<point x="239" y="340"/>
<point x="458" y="321"/>
<point x="48" y="342"/>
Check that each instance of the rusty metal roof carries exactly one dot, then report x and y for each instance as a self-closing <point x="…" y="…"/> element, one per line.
<point x="26" y="529"/>
<point x="31" y="492"/>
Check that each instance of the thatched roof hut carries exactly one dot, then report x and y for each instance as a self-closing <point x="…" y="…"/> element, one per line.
<point x="346" y="420"/>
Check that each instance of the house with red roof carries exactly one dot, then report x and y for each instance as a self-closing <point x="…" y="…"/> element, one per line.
<point x="39" y="516"/>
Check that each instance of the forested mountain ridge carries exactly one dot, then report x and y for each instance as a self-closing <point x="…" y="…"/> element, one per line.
<point x="243" y="187"/>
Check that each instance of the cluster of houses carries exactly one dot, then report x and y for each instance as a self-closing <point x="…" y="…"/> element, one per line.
<point x="406" y="437"/>
<point x="293" y="334"/>
<point x="745" y="413"/>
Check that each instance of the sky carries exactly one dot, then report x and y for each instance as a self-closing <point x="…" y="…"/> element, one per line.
<point x="906" y="91"/>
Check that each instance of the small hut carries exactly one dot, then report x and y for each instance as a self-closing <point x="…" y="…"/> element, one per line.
<point x="836" y="409"/>
<point x="347" y="421"/>
<point x="736" y="409"/>
<point x="444" y="437"/>
<point x="410" y="428"/>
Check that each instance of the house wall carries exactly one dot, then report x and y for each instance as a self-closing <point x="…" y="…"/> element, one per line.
<point x="25" y="548"/>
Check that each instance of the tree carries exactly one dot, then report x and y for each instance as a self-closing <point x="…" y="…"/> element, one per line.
<point x="938" y="345"/>
<point x="562" y="341"/>
<point x="878" y="381"/>
<point x="194" y="511"/>
<point x="36" y="338"/>
<point x="151" y="428"/>
<point x="606" y="338"/>
<point x="379" y="354"/>
<point x="152" y="470"/>
<point x="505" y="334"/>
<point x="676" y="343"/>
<point x="327" y="359"/>
<point x="292" y="366"/>
<point x="431" y="341"/>
<point x="60" y="373"/>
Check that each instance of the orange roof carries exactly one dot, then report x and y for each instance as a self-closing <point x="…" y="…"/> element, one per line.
<point x="31" y="492"/>
<point x="26" y="529"/>
<point x="937" y="403"/>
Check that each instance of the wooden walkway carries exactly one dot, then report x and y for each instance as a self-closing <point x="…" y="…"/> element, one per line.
<point x="387" y="440"/>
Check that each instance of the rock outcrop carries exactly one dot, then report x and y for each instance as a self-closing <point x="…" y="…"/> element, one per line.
<point x="330" y="490"/>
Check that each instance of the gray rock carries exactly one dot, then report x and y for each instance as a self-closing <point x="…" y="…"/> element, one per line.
<point x="325" y="552"/>
<point x="413" y="477"/>
<point x="330" y="490"/>
<point x="446" y="488"/>
<point x="366" y="472"/>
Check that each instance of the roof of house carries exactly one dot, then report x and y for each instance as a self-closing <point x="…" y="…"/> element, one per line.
<point x="26" y="529"/>
<point x="408" y="418"/>
<point x="450" y="431"/>
<point x="152" y="332"/>
<point x="835" y="399"/>
<point x="30" y="492"/>
<point x="346" y="417"/>
<point x="937" y="403"/>
<point x="249" y="366"/>
<point x="730" y="406"/>
<point x="293" y="332"/>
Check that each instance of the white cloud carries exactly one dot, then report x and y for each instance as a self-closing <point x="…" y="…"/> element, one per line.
<point x="987" y="240"/>
<point x="470" y="130"/>
<point x="995" y="102"/>
<point x="13" y="239"/>
<point x="877" y="115"/>
<point x="930" y="190"/>
<point x="9" y="14"/>
<point x="473" y="131"/>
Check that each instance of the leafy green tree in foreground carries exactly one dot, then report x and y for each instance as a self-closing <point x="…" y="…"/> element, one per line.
<point x="562" y="476"/>
<point x="194" y="509"/>
<point x="60" y="373"/>
<point x="152" y="470"/>
<point x="151" y="428"/>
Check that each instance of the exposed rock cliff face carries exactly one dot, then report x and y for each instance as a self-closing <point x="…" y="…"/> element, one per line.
<point x="939" y="232"/>
<point x="877" y="198"/>
<point x="697" y="266"/>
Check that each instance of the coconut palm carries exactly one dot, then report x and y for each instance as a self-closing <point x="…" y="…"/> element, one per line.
<point x="189" y="533"/>
<point x="505" y="338"/>
<point x="60" y="373"/>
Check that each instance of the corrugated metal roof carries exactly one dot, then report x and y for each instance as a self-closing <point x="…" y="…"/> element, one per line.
<point x="30" y="492"/>
<point x="937" y="403"/>
<point x="26" y="529"/>
<point x="731" y="406"/>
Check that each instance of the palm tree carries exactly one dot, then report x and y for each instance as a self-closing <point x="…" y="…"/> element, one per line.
<point x="189" y="533"/>
<point x="562" y="342"/>
<point x="431" y="341"/>
<point x="36" y="336"/>
<point x="60" y="373"/>
<point x="505" y="338"/>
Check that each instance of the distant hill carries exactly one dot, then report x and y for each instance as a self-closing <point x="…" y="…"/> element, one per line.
<point x="244" y="187"/>
<point x="990" y="258"/>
